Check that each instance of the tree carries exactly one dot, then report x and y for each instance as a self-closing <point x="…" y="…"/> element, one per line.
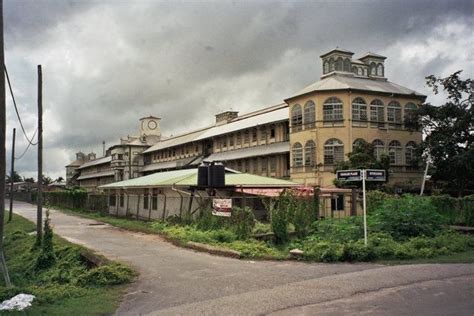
<point x="31" y="180"/>
<point x="47" y="180"/>
<point x="449" y="130"/>
<point x="16" y="177"/>
<point x="363" y="157"/>
<point x="59" y="180"/>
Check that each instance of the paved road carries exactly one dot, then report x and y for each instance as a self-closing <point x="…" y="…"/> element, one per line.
<point x="180" y="281"/>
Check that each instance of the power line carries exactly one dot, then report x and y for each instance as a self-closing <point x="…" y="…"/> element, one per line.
<point x="27" y="147"/>
<point x="30" y="141"/>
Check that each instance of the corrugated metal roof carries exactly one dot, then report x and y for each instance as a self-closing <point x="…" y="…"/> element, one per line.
<point x="96" y="175"/>
<point x="250" y="152"/>
<point x="341" y="82"/>
<point x="265" y="116"/>
<point x="173" y="164"/>
<point x="75" y="163"/>
<point x="188" y="177"/>
<point x="96" y="162"/>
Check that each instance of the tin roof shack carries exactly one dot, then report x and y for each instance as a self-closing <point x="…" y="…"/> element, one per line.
<point x="175" y="193"/>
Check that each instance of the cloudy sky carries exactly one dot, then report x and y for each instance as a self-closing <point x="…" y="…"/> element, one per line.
<point x="108" y="63"/>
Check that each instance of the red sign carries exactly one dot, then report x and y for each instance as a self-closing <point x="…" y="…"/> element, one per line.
<point x="222" y="207"/>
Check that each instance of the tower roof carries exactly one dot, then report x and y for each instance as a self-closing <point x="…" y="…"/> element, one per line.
<point x="374" y="55"/>
<point x="337" y="50"/>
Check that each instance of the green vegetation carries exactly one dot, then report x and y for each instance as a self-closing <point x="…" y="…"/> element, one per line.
<point x="59" y="274"/>
<point x="407" y="228"/>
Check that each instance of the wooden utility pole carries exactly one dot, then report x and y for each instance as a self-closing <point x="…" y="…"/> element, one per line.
<point x="3" y="124"/>
<point x="12" y="173"/>
<point x="39" y="198"/>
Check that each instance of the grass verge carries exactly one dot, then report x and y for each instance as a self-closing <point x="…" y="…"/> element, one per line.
<point x="72" y="285"/>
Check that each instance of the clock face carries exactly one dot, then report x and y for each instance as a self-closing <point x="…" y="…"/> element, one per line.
<point x="152" y="125"/>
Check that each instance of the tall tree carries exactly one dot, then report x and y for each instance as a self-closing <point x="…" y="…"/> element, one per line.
<point x="449" y="130"/>
<point x="16" y="177"/>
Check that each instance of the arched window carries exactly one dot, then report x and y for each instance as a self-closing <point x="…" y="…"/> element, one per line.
<point x="359" y="71"/>
<point x="359" y="142"/>
<point x="297" y="152"/>
<point x="347" y="65"/>
<point x="373" y="69"/>
<point x="394" y="112"/>
<point x="333" y="151"/>
<point x="395" y="152"/>
<point x="379" y="148"/>
<point x="326" y="67"/>
<point x="359" y="110"/>
<point x="354" y="69"/>
<point x="296" y="118"/>
<point x="310" y="153"/>
<point x="410" y="148"/>
<point x="377" y="113"/>
<point x="309" y="114"/>
<point x="410" y="109"/>
<point x="331" y="65"/>
<point x="339" y="64"/>
<point x="380" y="70"/>
<point x="365" y="72"/>
<point x="332" y="110"/>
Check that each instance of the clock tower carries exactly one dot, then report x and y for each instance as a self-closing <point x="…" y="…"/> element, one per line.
<point x="150" y="126"/>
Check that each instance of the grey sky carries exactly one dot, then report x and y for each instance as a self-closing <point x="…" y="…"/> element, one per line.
<point x="108" y="63"/>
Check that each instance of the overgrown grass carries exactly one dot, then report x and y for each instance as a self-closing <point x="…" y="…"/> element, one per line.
<point x="72" y="285"/>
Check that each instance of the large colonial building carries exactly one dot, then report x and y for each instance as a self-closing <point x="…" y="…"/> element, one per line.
<point x="301" y="139"/>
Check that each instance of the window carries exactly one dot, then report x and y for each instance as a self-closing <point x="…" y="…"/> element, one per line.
<point x="331" y="65"/>
<point x="273" y="164"/>
<point x="145" y="200"/>
<point x="263" y="133"/>
<point x="309" y="114"/>
<point x="296" y="118"/>
<point x="377" y="114"/>
<point x="373" y="69"/>
<point x="410" y="153"/>
<point x="238" y="139"/>
<point x="339" y="64"/>
<point x="394" y="112"/>
<point x="410" y="109"/>
<point x="337" y="202"/>
<point x="332" y="109"/>
<point x="359" y="71"/>
<point x="154" y="199"/>
<point x="359" y="110"/>
<point x="121" y="199"/>
<point x="272" y="131"/>
<point x="380" y="70"/>
<point x="347" y="65"/>
<point x="310" y="153"/>
<point x="264" y="164"/>
<point x="326" y="67"/>
<point x="112" y="200"/>
<point x="239" y="165"/>
<point x="297" y="155"/>
<point x="333" y="151"/>
<point x="354" y="70"/>
<point x="224" y="142"/>
<point x="379" y="148"/>
<point x="246" y="136"/>
<point x="231" y="140"/>
<point x="395" y="152"/>
<point x="254" y="135"/>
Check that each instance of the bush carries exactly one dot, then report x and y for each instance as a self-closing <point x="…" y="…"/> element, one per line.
<point x="357" y="251"/>
<point x="323" y="251"/>
<point x="223" y="235"/>
<point x="111" y="274"/>
<point x="243" y="222"/>
<point x="375" y="200"/>
<point x="46" y="258"/>
<point x="408" y="217"/>
<point x="302" y="218"/>
<point x="206" y="221"/>
<point x="340" y="230"/>
<point x="280" y="216"/>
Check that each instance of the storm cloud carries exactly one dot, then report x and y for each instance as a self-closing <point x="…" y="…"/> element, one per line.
<point x="108" y="63"/>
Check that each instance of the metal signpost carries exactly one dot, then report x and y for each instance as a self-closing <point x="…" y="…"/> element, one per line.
<point x="362" y="175"/>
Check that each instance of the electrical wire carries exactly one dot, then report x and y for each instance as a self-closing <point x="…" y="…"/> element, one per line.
<point x="30" y="141"/>
<point x="27" y="147"/>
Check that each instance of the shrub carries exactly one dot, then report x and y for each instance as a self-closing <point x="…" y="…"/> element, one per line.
<point x="375" y="200"/>
<point x="408" y="217"/>
<point x="302" y="218"/>
<point x="207" y="221"/>
<point x="46" y="258"/>
<point x="340" y="230"/>
<point x="254" y="249"/>
<point x="357" y="251"/>
<point x="242" y="221"/>
<point x="111" y="274"/>
<point x="223" y="235"/>
<point x="280" y="216"/>
<point x="323" y="251"/>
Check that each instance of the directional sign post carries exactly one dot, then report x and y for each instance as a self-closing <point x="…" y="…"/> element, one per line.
<point x="362" y="175"/>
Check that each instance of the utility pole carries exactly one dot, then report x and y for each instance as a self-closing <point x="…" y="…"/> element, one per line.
<point x="10" y="214"/>
<point x="3" y="123"/>
<point x="39" y="210"/>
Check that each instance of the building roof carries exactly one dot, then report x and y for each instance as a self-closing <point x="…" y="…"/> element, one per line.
<point x="370" y="54"/>
<point x="76" y="163"/>
<point x="337" y="49"/>
<point x="255" y="151"/>
<point x="268" y="115"/>
<point x="188" y="177"/>
<point x="150" y="117"/>
<point x="96" y="162"/>
<point x="101" y="174"/>
<point x="190" y="161"/>
<point x="359" y="62"/>
<point x="341" y="82"/>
